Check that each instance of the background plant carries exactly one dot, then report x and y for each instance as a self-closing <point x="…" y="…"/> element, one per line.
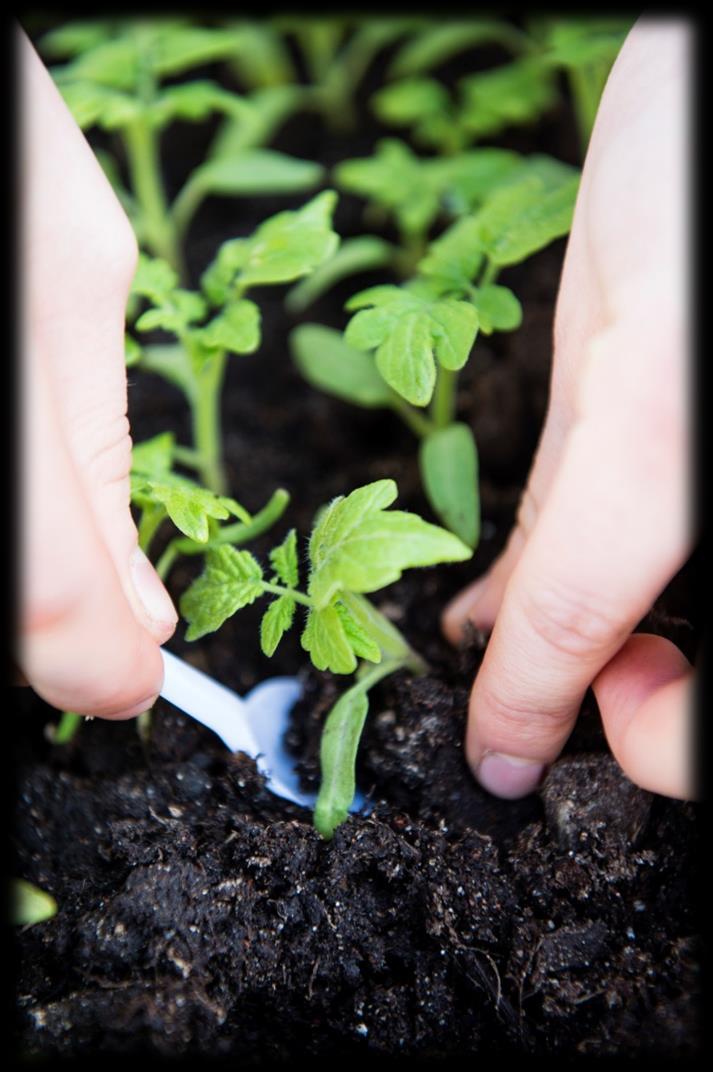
<point x="113" y="80"/>
<point x="404" y="345"/>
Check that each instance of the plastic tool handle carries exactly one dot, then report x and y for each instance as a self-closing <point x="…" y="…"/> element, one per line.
<point x="215" y="706"/>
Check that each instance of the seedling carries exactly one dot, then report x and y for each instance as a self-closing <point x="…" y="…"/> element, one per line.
<point x="284" y="248"/>
<point x="29" y="904"/>
<point x="113" y="81"/>
<point x="357" y="547"/>
<point x="404" y="346"/>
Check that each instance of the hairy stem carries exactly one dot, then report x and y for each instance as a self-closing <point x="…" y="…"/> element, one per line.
<point x="443" y="405"/>
<point x="206" y="422"/>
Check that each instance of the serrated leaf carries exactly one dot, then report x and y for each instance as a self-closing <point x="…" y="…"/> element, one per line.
<point x="362" y="642"/>
<point x="454" y="259"/>
<point x="113" y="63"/>
<point x="29" y="904"/>
<point x="291" y="244"/>
<point x="514" y="93"/>
<point x="276" y="620"/>
<point x="408" y="329"/>
<point x="188" y="505"/>
<point x="525" y="217"/>
<point x="236" y="328"/>
<point x="231" y="580"/>
<point x="257" y="172"/>
<point x="498" y="308"/>
<point x="330" y="364"/>
<point x="338" y="749"/>
<point x="449" y="469"/>
<point x="153" y="456"/>
<point x="326" y="640"/>
<point x="468" y="178"/>
<point x="284" y="560"/>
<point x="357" y="546"/>
<point x="218" y="280"/>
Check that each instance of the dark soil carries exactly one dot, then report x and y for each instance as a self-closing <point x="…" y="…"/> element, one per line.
<point x="200" y="915"/>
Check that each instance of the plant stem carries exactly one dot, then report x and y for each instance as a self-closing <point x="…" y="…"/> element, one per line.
<point x="144" y="165"/>
<point x="490" y="274"/>
<point x="416" y="421"/>
<point x="150" y="520"/>
<point x="443" y="406"/>
<point x="281" y="590"/>
<point x="205" y="413"/>
<point x="66" y="727"/>
<point x="187" y="456"/>
<point x="185" y="206"/>
<point x="169" y="556"/>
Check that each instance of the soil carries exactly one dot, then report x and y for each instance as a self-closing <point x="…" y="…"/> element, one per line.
<point x="201" y="915"/>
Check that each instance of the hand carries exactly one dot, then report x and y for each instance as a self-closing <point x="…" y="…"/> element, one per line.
<point x="603" y="525"/>
<point x="93" y="611"/>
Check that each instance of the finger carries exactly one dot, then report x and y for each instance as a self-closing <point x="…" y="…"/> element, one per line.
<point x="74" y="305"/>
<point x="80" y="644"/>
<point x="578" y="317"/>
<point x="612" y="532"/>
<point x="645" y="698"/>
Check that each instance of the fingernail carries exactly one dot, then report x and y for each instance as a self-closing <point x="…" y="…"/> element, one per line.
<point x="509" y="776"/>
<point x="149" y="588"/>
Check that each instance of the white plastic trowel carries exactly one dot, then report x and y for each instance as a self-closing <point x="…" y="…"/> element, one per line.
<point x="254" y="724"/>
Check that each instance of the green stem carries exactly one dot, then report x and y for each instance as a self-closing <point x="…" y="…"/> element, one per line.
<point x="417" y="422"/>
<point x="185" y="206"/>
<point x="187" y="456"/>
<point x="281" y="590"/>
<point x="151" y="518"/>
<point x="490" y="274"/>
<point x="206" y="422"/>
<point x="145" y="169"/>
<point x="169" y="556"/>
<point x="443" y="405"/>
<point x="66" y="727"/>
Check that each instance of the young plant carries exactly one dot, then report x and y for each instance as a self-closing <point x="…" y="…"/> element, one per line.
<point x="284" y="248"/>
<point x="113" y="81"/>
<point x="404" y="345"/>
<point x="357" y="547"/>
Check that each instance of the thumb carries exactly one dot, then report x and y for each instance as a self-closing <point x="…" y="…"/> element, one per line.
<point x="80" y="644"/>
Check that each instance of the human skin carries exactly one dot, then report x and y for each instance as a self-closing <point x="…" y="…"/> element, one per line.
<point x="92" y="610"/>
<point x="604" y="523"/>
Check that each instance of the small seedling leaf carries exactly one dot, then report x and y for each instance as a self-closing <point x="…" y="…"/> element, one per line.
<point x="498" y="308"/>
<point x="257" y="172"/>
<point x="231" y="580"/>
<point x="284" y="560"/>
<point x="359" y="635"/>
<point x="29" y="904"/>
<point x="338" y="750"/>
<point x="236" y="328"/>
<point x="154" y="457"/>
<point x="276" y="620"/>
<point x="449" y="469"/>
<point x="327" y="642"/>
<point x="327" y="362"/>
<point x="359" y="254"/>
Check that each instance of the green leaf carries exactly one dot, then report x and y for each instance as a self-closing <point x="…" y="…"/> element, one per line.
<point x="283" y="248"/>
<point x="113" y="63"/>
<point x="514" y="93"/>
<point x="398" y="180"/>
<point x="410" y="101"/>
<point x="257" y="173"/>
<point x="94" y="105"/>
<point x="357" y="546"/>
<point x="359" y="254"/>
<point x="175" y="49"/>
<point x="409" y="331"/>
<point x="330" y="364"/>
<point x="29" y="904"/>
<point x="75" y="37"/>
<point x="132" y="351"/>
<point x="194" y="101"/>
<point x="454" y="259"/>
<point x="154" y="278"/>
<point x="188" y="505"/>
<point x="524" y="217"/>
<point x="449" y="469"/>
<point x="284" y="560"/>
<point x="468" y="178"/>
<point x="179" y="309"/>
<point x="498" y="308"/>
<point x="276" y="620"/>
<point x="154" y="456"/>
<point x="326" y="640"/>
<point x="236" y="328"/>
<point x="359" y="635"/>
<point x="231" y="580"/>
<point x="338" y="749"/>
<point x="437" y="43"/>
